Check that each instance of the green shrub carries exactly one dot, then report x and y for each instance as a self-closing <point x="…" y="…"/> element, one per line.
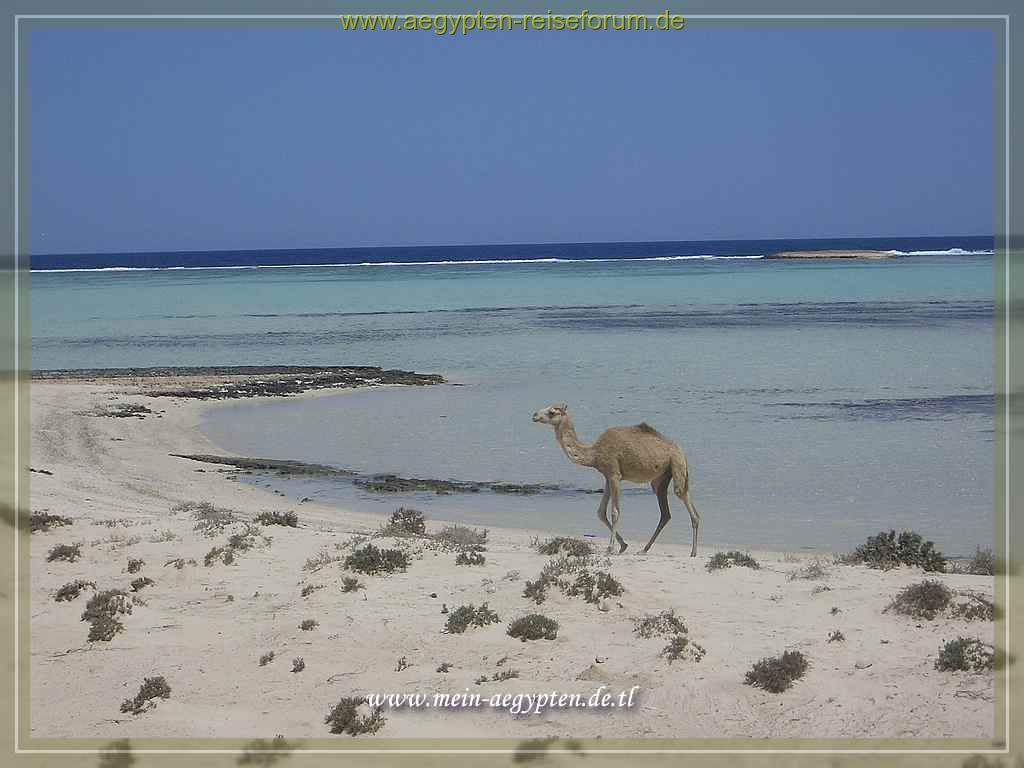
<point x="975" y="608"/>
<point x="835" y="636"/>
<point x="466" y="616"/>
<point x="497" y="677"/>
<point x="351" y="584"/>
<point x="211" y="520"/>
<point x="67" y="552"/>
<point x="152" y="688"/>
<point x="459" y="537"/>
<point x="886" y="550"/>
<point x="564" y="545"/>
<point x="266" y="658"/>
<point x="344" y="717"/>
<point x="814" y="570"/>
<point x="135" y="564"/>
<point x="776" y="674"/>
<point x="982" y="564"/>
<point x="469" y="558"/>
<point x="371" y="560"/>
<point x="444" y="667"/>
<point x="286" y="519"/>
<point x="309" y="589"/>
<point x="555" y="573"/>
<point x="680" y="647"/>
<point x="594" y="587"/>
<point x="320" y="560"/>
<point x="534" y="627"/>
<point x="308" y="624"/>
<point x="659" y="625"/>
<point x="966" y="655"/>
<point x="728" y="559"/>
<point x="924" y="600"/>
<point x="141" y="583"/>
<point x="43" y="522"/>
<point x="298" y="664"/>
<point x="72" y="590"/>
<point x="405" y="522"/>
<point x="102" y="611"/>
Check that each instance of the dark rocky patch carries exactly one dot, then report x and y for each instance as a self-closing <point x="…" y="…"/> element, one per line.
<point x="388" y="483"/>
<point x="277" y="466"/>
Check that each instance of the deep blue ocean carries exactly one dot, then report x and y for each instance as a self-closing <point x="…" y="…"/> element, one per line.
<point x="818" y="402"/>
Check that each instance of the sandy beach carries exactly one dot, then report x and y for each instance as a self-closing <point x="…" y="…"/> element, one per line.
<point x="204" y="628"/>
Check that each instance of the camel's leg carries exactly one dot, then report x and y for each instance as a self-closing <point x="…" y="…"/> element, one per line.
<point x="694" y="519"/>
<point x="613" y="488"/>
<point x="660" y="487"/>
<point x="602" y="515"/>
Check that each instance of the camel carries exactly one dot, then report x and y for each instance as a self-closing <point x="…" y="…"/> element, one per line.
<point x="637" y="454"/>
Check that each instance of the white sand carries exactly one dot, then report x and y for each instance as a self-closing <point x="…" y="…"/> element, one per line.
<point x="204" y="628"/>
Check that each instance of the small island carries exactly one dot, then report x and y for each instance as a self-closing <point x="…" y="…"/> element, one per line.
<point x="832" y="255"/>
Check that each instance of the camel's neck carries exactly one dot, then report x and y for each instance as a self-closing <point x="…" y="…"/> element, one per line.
<point x="578" y="453"/>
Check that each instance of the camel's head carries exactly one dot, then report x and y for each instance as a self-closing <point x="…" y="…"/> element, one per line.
<point x="552" y="414"/>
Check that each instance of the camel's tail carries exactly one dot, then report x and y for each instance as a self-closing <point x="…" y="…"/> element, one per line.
<point x="680" y="475"/>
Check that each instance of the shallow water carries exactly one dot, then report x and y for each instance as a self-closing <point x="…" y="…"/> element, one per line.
<point x="817" y="402"/>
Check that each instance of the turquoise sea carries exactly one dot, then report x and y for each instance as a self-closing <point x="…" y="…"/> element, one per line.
<point x="817" y="402"/>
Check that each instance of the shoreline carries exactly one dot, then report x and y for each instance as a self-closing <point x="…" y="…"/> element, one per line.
<point x="205" y="627"/>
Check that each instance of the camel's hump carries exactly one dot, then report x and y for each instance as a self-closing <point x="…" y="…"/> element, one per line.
<point x="643" y="426"/>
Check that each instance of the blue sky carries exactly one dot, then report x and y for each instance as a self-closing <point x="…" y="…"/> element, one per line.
<point x="190" y="138"/>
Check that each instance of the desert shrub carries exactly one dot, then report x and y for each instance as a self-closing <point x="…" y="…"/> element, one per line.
<point x="680" y="647"/>
<point x="444" y="667"/>
<point x="466" y="616"/>
<point x="372" y="560"/>
<point x="533" y="627"/>
<point x="308" y="624"/>
<point x="163" y="536"/>
<point x="239" y="542"/>
<point x="777" y="673"/>
<point x="819" y="588"/>
<point x="298" y="664"/>
<point x="320" y="560"/>
<point x="211" y="520"/>
<point x="141" y="583"/>
<point x="102" y="611"/>
<point x="72" y="590"/>
<point x="886" y="550"/>
<point x="974" y="608"/>
<point x="924" y="600"/>
<point x="555" y="573"/>
<point x="221" y="554"/>
<point x="180" y="562"/>
<point x="152" y="688"/>
<point x="497" y="677"/>
<point x="266" y="658"/>
<point x="67" y="552"/>
<point x="403" y="663"/>
<point x="135" y="564"/>
<point x="659" y="625"/>
<point x="813" y="570"/>
<point x="565" y="545"/>
<point x="286" y="519"/>
<point x="594" y="587"/>
<point x="966" y="655"/>
<point x="351" y="584"/>
<point x="43" y="522"/>
<point x="405" y="522"/>
<point x="345" y="717"/>
<point x="983" y="563"/>
<point x="835" y="636"/>
<point x="467" y="557"/>
<point x="309" y="589"/>
<point x="460" y="537"/>
<point x="728" y="559"/>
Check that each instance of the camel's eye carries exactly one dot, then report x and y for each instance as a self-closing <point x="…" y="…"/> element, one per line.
<point x="551" y="413"/>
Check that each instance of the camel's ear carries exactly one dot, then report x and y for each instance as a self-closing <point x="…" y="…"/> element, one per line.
<point x="562" y="407"/>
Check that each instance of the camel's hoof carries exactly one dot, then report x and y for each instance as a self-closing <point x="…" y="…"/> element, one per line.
<point x="623" y="548"/>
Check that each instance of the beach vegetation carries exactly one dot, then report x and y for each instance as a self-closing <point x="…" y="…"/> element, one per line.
<point x="163" y="536"/>
<point x="266" y="658"/>
<point x="309" y="589"/>
<point x="285" y="519"/>
<point x="444" y="667"/>
<point x="835" y="636"/>
<point x="211" y="520"/>
<point x="72" y="590"/>
<point x="320" y="560"/>
<point x="460" y="537"/>
<point x="974" y="608"/>
<point x="983" y="563"/>
<point x="565" y="545"/>
<point x="141" y="583"/>
<point x="924" y="600"/>
<point x="497" y="677"/>
<point x="67" y="552"/>
<point x="887" y="550"/>
<point x="467" y="557"/>
<point x="372" y="561"/>
<point x="307" y="624"/>
<point x="405" y="522"/>
<point x="354" y="716"/>
<point x="721" y="560"/>
<point x="965" y="655"/>
<point x="135" y="564"/>
<point x="180" y="562"/>
<point x="812" y="571"/>
<point x="298" y="664"/>
<point x="594" y="586"/>
<point x="659" y="625"/>
<point x="43" y="522"/>
<point x="533" y="627"/>
<point x="403" y="663"/>
<point x="465" y="616"/>
<point x="776" y="674"/>
<point x="152" y="688"/>
<point x="555" y="573"/>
